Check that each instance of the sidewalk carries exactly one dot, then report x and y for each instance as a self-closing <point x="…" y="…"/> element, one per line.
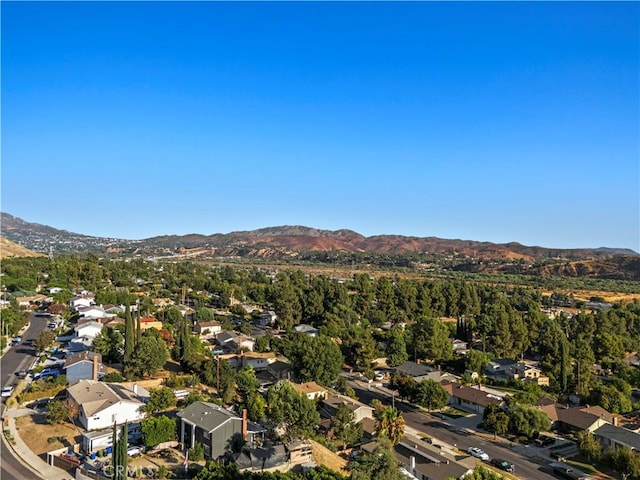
<point x="21" y="452"/>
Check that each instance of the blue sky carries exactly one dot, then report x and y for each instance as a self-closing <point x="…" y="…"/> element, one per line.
<point x="483" y="121"/>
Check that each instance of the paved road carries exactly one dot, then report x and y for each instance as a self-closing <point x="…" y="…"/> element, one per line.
<point x="438" y="429"/>
<point x="17" y="358"/>
<point x="21" y="357"/>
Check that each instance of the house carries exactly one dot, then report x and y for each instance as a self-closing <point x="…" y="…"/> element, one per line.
<point x="81" y="301"/>
<point x="470" y="399"/>
<point x="162" y="302"/>
<point x="150" y="322"/>
<point x="506" y="369"/>
<point x="88" y="329"/>
<point x="101" y="439"/>
<point x="84" y="366"/>
<point x="267" y="318"/>
<point x="102" y="404"/>
<point x="257" y="360"/>
<point x="232" y="342"/>
<point x="612" y="436"/>
<point x="331" y="403"/>
<point x="420" y="372"/>
<point x="93" y="312"/>
<point x="279" y="370"/>
<point x="311" y="390"/>
<point x="267" y="457"/>
<point x="217" y="429"/>
<point x="579" y="418"/>
<point x="114" y="309"/>
<point x="306" y="329"/>
<point x="207" y="329"/>
<point x="530" y="374"/>
<point x="426" y="462"/>
<point x="500" y="368"/>
<point x="33" y="300"/>
<point x="460" y="347"/>
<point x="300" y="451"/>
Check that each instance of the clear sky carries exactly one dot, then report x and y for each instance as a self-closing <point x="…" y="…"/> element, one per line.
<point x="482" y="121"/>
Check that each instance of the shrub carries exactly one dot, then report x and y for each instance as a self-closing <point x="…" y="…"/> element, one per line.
<point x="196" y="453"/>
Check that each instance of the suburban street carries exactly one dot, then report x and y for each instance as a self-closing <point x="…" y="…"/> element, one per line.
<point x="447" y="432"/>
<point x="19" y="357"/>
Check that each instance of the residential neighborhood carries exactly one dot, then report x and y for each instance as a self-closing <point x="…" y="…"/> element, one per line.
<point x="191" y="380"/>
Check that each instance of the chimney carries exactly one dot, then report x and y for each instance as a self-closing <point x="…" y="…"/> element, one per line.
<point x="135" y="388"/>
<point x="95" y="367"/>
<point x="412" y="462"/>
<point x="244" y="424"/>
<point x="616" y="421"/>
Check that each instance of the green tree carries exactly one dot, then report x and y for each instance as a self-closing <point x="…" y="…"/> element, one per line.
<point x="110" y="344"/>
<point x="149" y="356"/>
<point x="390" y="424"/>
<point x="396" y="348"/>
<point x="344" y="427"/>
<point x="56" y="412"/>
<point x="44" y="340"/>
<point x="161" y="399"/>
<point x="246" y="382"/>
<point x="589" y="446"/>
<point x="129" y="336"/>
<point x="256" y="407"/>
<point x="431" y="395"/>
<point x="429" y="339"/>
<point x="203" y="314"/>
<point x="159" y="429"/>
<point x="196" y="453"/>
<point x="290" y="411"/>
<point x="381" y="464"/>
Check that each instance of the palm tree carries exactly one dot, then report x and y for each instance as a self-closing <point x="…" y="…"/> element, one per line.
<point x="390" y="424"/>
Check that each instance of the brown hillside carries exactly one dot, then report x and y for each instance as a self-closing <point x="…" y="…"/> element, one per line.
<point x="9" y="249"/>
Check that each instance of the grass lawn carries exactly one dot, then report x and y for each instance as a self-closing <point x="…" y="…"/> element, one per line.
<point x="454" y="413"/>
<point x="579" y="462"/>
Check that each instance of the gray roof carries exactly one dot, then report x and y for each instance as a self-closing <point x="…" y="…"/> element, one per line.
<point x="267" y="456"/>
<point x="413" y="369"/>
<point x="82" y="357"/>
<point x="441" y="470"/>
<point x="619" y="435"/>
<point x="207" y="416"/>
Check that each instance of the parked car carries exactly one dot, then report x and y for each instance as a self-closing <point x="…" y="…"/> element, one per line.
<point x="502" y="464"/>
<point x="6" y="392"/>
<point x="544" y="441"/>
<point x="133" y="450"/>
<point x="21" y="374"/>
<point x="478" y="453"/>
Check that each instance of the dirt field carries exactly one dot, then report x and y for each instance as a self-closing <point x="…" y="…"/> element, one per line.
<point x="34" y="432"/>
<point x="611" y="297"/>
<point x="323" y="456"/>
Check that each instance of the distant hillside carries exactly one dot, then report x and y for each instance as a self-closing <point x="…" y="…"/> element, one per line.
<point x="298" y="242"/>
<point x="9" y="249"/>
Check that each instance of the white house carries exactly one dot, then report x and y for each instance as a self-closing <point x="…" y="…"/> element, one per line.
<point x="102" y="404"/>
<point x="81" y="301"/>
<point x="88" y="329"/>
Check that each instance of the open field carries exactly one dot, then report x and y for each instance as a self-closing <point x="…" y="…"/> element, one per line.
<point x="35" y="432"/>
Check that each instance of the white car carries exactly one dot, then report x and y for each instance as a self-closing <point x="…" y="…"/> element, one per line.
<point x="478" y="453"/>
<point x="6" y="391"/>
<point x="133" y="451"/>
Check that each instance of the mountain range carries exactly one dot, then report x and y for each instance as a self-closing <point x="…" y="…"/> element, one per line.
<point x="296" y="242"/>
